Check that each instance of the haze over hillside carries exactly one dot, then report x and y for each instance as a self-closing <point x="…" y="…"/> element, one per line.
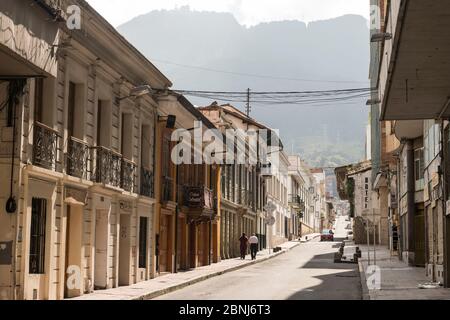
<point x="336" y="50"/>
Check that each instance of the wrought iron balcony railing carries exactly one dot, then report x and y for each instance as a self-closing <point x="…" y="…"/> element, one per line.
<point x="245" y="198"/>
<point x="167" y="189"/>
<point x="128" y="175"/>
<point x="77" y="158"/>
<point x="147" y="188"/>
<point x="45" y="146"/>
<point x="295" y="201"/>
<point x="107" y="166"/>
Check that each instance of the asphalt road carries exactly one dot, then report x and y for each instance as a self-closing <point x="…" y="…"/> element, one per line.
<point x="304" y="273"/>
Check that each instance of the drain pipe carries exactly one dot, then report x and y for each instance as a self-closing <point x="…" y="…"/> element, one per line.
<point x="411" y="200"/>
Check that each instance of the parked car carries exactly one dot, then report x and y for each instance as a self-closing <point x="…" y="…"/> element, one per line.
<point x="351" y="254"/>
<point x="327" y="235"/>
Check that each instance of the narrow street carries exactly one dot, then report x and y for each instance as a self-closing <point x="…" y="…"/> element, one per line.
<point x="304" y="273"/>
<point x="198" y="151"/>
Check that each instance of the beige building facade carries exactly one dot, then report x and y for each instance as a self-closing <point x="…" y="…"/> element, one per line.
<point x="82" y="164"/>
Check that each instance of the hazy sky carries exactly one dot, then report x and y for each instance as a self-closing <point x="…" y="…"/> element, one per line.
<point x="247" y="12"/>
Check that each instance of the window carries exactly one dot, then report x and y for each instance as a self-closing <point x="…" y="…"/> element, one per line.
<point x="71" y="111"/>
<point x="127" y="136"/>
<point x="38" y="99"/>
<point x="419" y="168"/>
<point x="431" y="141"/>
<point x="37" y="236"/>
<point x="143" y="242"/>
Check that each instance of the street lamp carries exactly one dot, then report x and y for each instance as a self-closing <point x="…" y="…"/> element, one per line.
<point x="372" y="102"/>
<point x="138" y="91"/>
<point x="380" y="37"/>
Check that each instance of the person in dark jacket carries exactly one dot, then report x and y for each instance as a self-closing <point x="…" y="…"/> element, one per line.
<point x="244" y="243"/>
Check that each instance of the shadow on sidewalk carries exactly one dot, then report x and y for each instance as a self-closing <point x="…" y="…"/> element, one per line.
<point x="341" y="281"/>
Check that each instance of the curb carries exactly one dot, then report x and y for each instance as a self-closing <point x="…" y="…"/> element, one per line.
<point x="177" y="287"/>
<point x="362" y="276"/>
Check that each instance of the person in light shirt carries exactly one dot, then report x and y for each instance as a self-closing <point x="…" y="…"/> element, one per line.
<point x="253" y="240"/>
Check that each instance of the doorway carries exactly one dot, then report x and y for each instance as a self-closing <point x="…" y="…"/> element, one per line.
<point x="192" y="245"/>
<point x="180" y="244"/>
<point x="124" y="250"/>
<point x="419" y="238"/>
<point x="72" y="269"/>
<point x="101" y="250"/>
<point x="165" y="243"/>
<point x="201" y="237"/>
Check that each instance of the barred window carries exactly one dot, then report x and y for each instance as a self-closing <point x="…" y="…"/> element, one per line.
<point x="143" y="242"/>
<point x="37" y="236"/>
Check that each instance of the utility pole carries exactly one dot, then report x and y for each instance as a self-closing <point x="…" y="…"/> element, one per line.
<point x="368" y="241"/>
<point x="248" y="108"/>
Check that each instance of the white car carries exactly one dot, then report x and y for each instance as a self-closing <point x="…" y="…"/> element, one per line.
<point x="349" y="254"/>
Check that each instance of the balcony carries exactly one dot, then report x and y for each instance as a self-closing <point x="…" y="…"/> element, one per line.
<point x="77" y="158"/>
<point x="414" y="70"/>
<point x="45" y="146"/>
<point x="295" y="201"/>
<point x="128" y="175"/>
<point x="246" y="198"/>
<point x="107" y="166"/>
<point x="167" y="189"/>
<point x="198" y="197"/>
<point x="147" y="183"/>
<point x="200" y="201"/>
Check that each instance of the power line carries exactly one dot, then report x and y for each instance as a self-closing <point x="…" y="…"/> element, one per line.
<point x="254" y="75"/>
<point x="281" y="97"/>
<point x="275" y="92"/>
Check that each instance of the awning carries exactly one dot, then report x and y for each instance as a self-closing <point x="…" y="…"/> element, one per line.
<point x="418" y="83"/>
<point x="12" y="66"/>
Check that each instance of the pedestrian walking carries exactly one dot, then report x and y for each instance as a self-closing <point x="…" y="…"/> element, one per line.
<point x="244" y="243"/>
<point x="253" y="240"/>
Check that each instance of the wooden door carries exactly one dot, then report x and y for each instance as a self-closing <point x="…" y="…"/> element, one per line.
<point x="201" y="244"/>
<point x="101" y="250"/>
<point x="124" y="250"/>
<point x="419" y="238"/>
<point x="164" y="249"/>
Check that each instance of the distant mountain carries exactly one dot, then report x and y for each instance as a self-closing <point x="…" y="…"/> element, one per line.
<point x="336" y="49"/>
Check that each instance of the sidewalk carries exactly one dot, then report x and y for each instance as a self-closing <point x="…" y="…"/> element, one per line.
<point x="398" y="280"/>
<point x="171" y="282"/>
